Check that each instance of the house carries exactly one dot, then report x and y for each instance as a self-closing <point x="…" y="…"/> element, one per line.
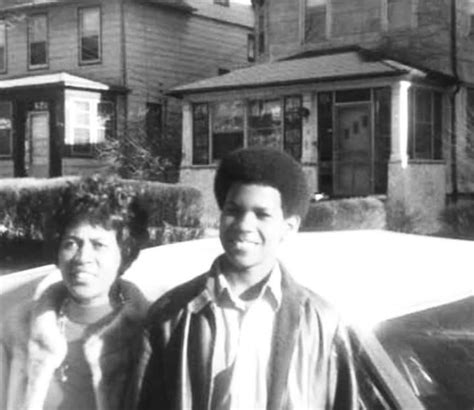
<point x="73" y="72"/>
<point x="372" y="96"/>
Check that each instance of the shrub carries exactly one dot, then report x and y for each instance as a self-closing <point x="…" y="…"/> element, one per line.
<point x="458" y="221"/>
<point x="401" y="219"/>
<point x="345" y="214"/>
<point x="27" y="206"/>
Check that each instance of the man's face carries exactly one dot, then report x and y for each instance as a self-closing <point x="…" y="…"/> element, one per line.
<point x="89" y="259"/>
<point x="252" y="226"/>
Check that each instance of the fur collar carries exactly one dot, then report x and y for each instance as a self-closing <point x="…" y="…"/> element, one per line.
<point x="47" y="346"/>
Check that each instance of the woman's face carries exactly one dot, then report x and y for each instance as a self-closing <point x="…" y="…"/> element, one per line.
<point x="89" y="259"/>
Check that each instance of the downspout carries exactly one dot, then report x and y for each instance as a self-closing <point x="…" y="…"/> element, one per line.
<point x="123" y="61"/>
<point x="454" y="70"/>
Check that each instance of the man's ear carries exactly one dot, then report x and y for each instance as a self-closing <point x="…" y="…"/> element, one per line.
<point x="293" y="223"/>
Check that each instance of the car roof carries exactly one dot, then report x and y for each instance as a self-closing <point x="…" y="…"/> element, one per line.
<point x="370" y="276"/>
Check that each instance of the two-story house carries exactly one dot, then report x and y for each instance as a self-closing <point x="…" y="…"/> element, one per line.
<point x="372" y="96"/>
<point x="73" y="72"/>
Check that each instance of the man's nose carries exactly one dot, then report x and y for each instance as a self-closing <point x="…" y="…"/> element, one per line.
<point x="247" y="220"/>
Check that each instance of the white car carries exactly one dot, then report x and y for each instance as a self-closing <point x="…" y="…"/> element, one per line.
<point x="400" y="295"/>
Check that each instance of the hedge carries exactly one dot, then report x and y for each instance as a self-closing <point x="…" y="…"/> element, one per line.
<point x="27" y="206"/>
<point x="345" y="214"/>
<point x="458" y="221"/>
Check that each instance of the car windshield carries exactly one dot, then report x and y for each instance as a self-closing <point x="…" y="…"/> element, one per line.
<point x="434" y="351"/>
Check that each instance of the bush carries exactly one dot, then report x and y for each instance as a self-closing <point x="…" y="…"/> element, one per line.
<point x="458" y="221"/>
<point x="28" y="205"/>
<point x="345" y="214"/>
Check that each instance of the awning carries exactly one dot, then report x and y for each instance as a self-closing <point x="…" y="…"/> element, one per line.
<point x="320" y="68"/>
<point x="61" y="79"/>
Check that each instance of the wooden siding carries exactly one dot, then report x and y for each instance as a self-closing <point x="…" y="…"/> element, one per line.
<point x="166" y="48"/>
<point x="424" y="40"/>
<point x="63" y="44"/>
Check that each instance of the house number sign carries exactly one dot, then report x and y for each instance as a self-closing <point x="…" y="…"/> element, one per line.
<point x="41" y="106"/>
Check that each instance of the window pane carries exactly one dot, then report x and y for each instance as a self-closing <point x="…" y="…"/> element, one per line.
<point x="292" y="140"/>
<point x="38" y="28"/>
<point x="3" y="47"/>
<point x="89" y="26"/>
<point x="227" y="127"/>
<point x="81" y="136"/>
<point x="106" y="120"/>
<point x="325" y="142"/>
<point x="382" y="137"/>
<point x="37" y="53"/>
<point x="228" y="116"/>
<point x="5" y="142"/>
<point x="265" y="123"/>
<point x="37" y="38"/>
<point x="437" y="129"/>
<point x="315" y="19"/>
<point x="200" y="134"/>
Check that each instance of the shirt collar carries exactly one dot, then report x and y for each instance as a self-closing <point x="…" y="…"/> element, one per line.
<point x="219" y="291"/>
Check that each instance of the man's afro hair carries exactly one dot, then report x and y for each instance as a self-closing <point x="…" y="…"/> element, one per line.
<point x="269" y="167"/>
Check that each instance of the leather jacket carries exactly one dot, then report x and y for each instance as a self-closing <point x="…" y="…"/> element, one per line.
<point x="309" y="348"/>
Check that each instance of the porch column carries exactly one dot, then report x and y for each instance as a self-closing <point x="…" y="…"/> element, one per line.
<point x="187" y="134"/>
<point x="399" y="126"/>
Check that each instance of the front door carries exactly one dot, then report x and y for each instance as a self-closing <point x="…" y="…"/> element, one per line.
<point x="353" y="150"/>
<point x="37" y="143"/>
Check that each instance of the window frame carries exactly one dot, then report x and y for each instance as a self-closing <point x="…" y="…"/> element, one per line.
<point x="46" y="42"/>
<point x="4" y="69"/>
<point x="435" y="123"/>
<point x="80" y="13"/>
<point x="206" y="142"/>
<point x="10" y="133"/>
<point x="251" y="47"/>
<point x="224" y="3"/>
<point x="95" y="127"/>
<point x="327" y="22"/>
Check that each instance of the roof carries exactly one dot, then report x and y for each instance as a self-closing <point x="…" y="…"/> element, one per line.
<point x="63" y="79"/>
<point x="234" y="13"/>
<point x="319" y="68"/>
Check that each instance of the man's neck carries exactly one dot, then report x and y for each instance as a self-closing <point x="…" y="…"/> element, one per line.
<point x="245" y="283"/>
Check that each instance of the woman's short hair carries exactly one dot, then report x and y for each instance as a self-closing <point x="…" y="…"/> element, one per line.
<point x="265" y="166"/>
<point x="105" y="202"/>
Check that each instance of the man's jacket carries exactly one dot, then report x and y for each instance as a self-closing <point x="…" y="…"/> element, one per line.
<point x="310" y="352"/>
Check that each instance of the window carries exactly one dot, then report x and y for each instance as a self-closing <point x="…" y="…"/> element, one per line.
<point x="261" y="30"/>
<point x="200" y="134"/>
<point x="222" y="2"/>
<point x="153" y="126"/>
<point x="3" y="47"/>
<point x="470" y="122"/>
<point x="399" y="13"/>
<point x="38" y="41"/>
<point x="89" y="35"/>
<point x="315" y="20"/>
<point x="425" y="124"/>
<point x="227" y="127"/>
<point x="362" y="16"/>
<point x="5" y="129"/>
<point x="275" y="122"/>
<point x="91" y="122"/>
<point x="265" y="123"/>
<point x="251" y="48"/>
<point x="293" y="128"/>
<point x="471" y="17"/>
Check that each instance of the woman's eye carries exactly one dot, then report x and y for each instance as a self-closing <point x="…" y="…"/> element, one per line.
<point x="99" y="245"/>
<point x="68" y="244"/>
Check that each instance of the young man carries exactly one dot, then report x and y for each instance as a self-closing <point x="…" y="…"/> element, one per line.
<point x="244" y="335"/>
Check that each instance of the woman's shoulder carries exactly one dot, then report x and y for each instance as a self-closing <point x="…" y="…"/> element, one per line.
<point x="15" y="326"/>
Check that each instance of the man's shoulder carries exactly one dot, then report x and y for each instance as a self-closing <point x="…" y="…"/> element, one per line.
<point x="312" y="302"/>
<point x="176" y="299"/>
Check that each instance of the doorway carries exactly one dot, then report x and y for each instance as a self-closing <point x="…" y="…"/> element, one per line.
<point x="37" y="145"/>
<point x="353" y="150"/>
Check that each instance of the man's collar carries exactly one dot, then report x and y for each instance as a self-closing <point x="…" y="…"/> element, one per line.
<point x="220" y="291"/>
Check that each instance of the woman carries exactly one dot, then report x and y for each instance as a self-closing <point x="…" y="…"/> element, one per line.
<point x="80" y="345"/>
